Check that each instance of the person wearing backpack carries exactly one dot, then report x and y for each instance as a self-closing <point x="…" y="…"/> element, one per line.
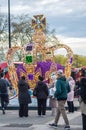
<point x="82" y="100"/>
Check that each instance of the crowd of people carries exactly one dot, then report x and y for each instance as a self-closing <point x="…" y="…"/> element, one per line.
<point x="59" y="92"/>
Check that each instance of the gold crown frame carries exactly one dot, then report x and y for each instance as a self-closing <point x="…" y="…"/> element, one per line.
<point x="39" y="48"/>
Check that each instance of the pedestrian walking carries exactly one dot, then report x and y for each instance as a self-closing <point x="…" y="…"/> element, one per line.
<point x="70" y="95"/>
<point x="61" y="95"/>
<point x="42" y="92"/>
<point x="4" y="92"/>
<point x="23" y="97"/>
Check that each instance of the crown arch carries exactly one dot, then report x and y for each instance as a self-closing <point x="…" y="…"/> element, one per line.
<point x="33" y="52"/>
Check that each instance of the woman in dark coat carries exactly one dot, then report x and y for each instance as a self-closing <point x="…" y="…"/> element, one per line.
<point x="41" y="94"/>
<point x="24" y="97"/>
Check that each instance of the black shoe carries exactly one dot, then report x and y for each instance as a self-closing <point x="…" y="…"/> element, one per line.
<point x="67" y="127"/>
<point x="53" y="125"/>
<point x="25" y="115"/>
<point x="20" y="116"/>
<point x="3" y="111"/>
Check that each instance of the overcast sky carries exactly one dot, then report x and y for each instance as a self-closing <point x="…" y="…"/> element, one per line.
<point x="67" y="17"/>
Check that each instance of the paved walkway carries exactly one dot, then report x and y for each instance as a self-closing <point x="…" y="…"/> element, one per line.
<point x="11" y="121"/>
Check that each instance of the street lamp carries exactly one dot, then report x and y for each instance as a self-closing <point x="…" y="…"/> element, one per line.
<point x="9" y="30"/>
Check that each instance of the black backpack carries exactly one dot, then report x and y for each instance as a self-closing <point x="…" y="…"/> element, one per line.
<point x="83" y="89"/>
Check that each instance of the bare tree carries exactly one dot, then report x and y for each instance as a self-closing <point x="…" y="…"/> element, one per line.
<point x="21" y="30"/>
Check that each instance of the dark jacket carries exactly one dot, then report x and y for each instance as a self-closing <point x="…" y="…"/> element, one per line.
<point x="4" y="90"/>
<point x="23" y="94"/>
<point x="62" y="88"/>
<point x="3" y="86"/>
<point x="83" y="89"/>
<point x="42" y="90"/>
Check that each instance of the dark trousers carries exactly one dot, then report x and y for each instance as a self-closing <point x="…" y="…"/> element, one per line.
<point x="70" y="106"/>
<point x="41" y="106"/>
<point x="84" y="121"/>
<point x="23" y="110"/>
<point x="4" y="100"/>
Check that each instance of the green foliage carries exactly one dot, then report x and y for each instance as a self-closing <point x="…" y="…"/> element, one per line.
<point x="60" y="59"/>
<point x="79" y="61"/>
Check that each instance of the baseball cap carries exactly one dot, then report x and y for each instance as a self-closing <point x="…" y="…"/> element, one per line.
<point x="60" y="72"/>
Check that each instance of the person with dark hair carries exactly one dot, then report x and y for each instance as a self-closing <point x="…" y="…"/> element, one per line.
<point x="40" y="78"/>
<point x="82" y="99"/>
<point x="42" y="95"/>
<point x="23" y="97"/>
<point x="4" y="92"/>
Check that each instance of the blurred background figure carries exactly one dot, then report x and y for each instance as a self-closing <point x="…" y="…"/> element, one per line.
<point x="1" y="70"/>
<point x="23" y="97"/>
<point x="52" y="99"/>
<point x="82" y="99"/>
<point x="77" y="87"/>
<point x="70" y="95"/>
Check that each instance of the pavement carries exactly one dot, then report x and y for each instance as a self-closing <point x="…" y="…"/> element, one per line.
<point x="11" y="120"/>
